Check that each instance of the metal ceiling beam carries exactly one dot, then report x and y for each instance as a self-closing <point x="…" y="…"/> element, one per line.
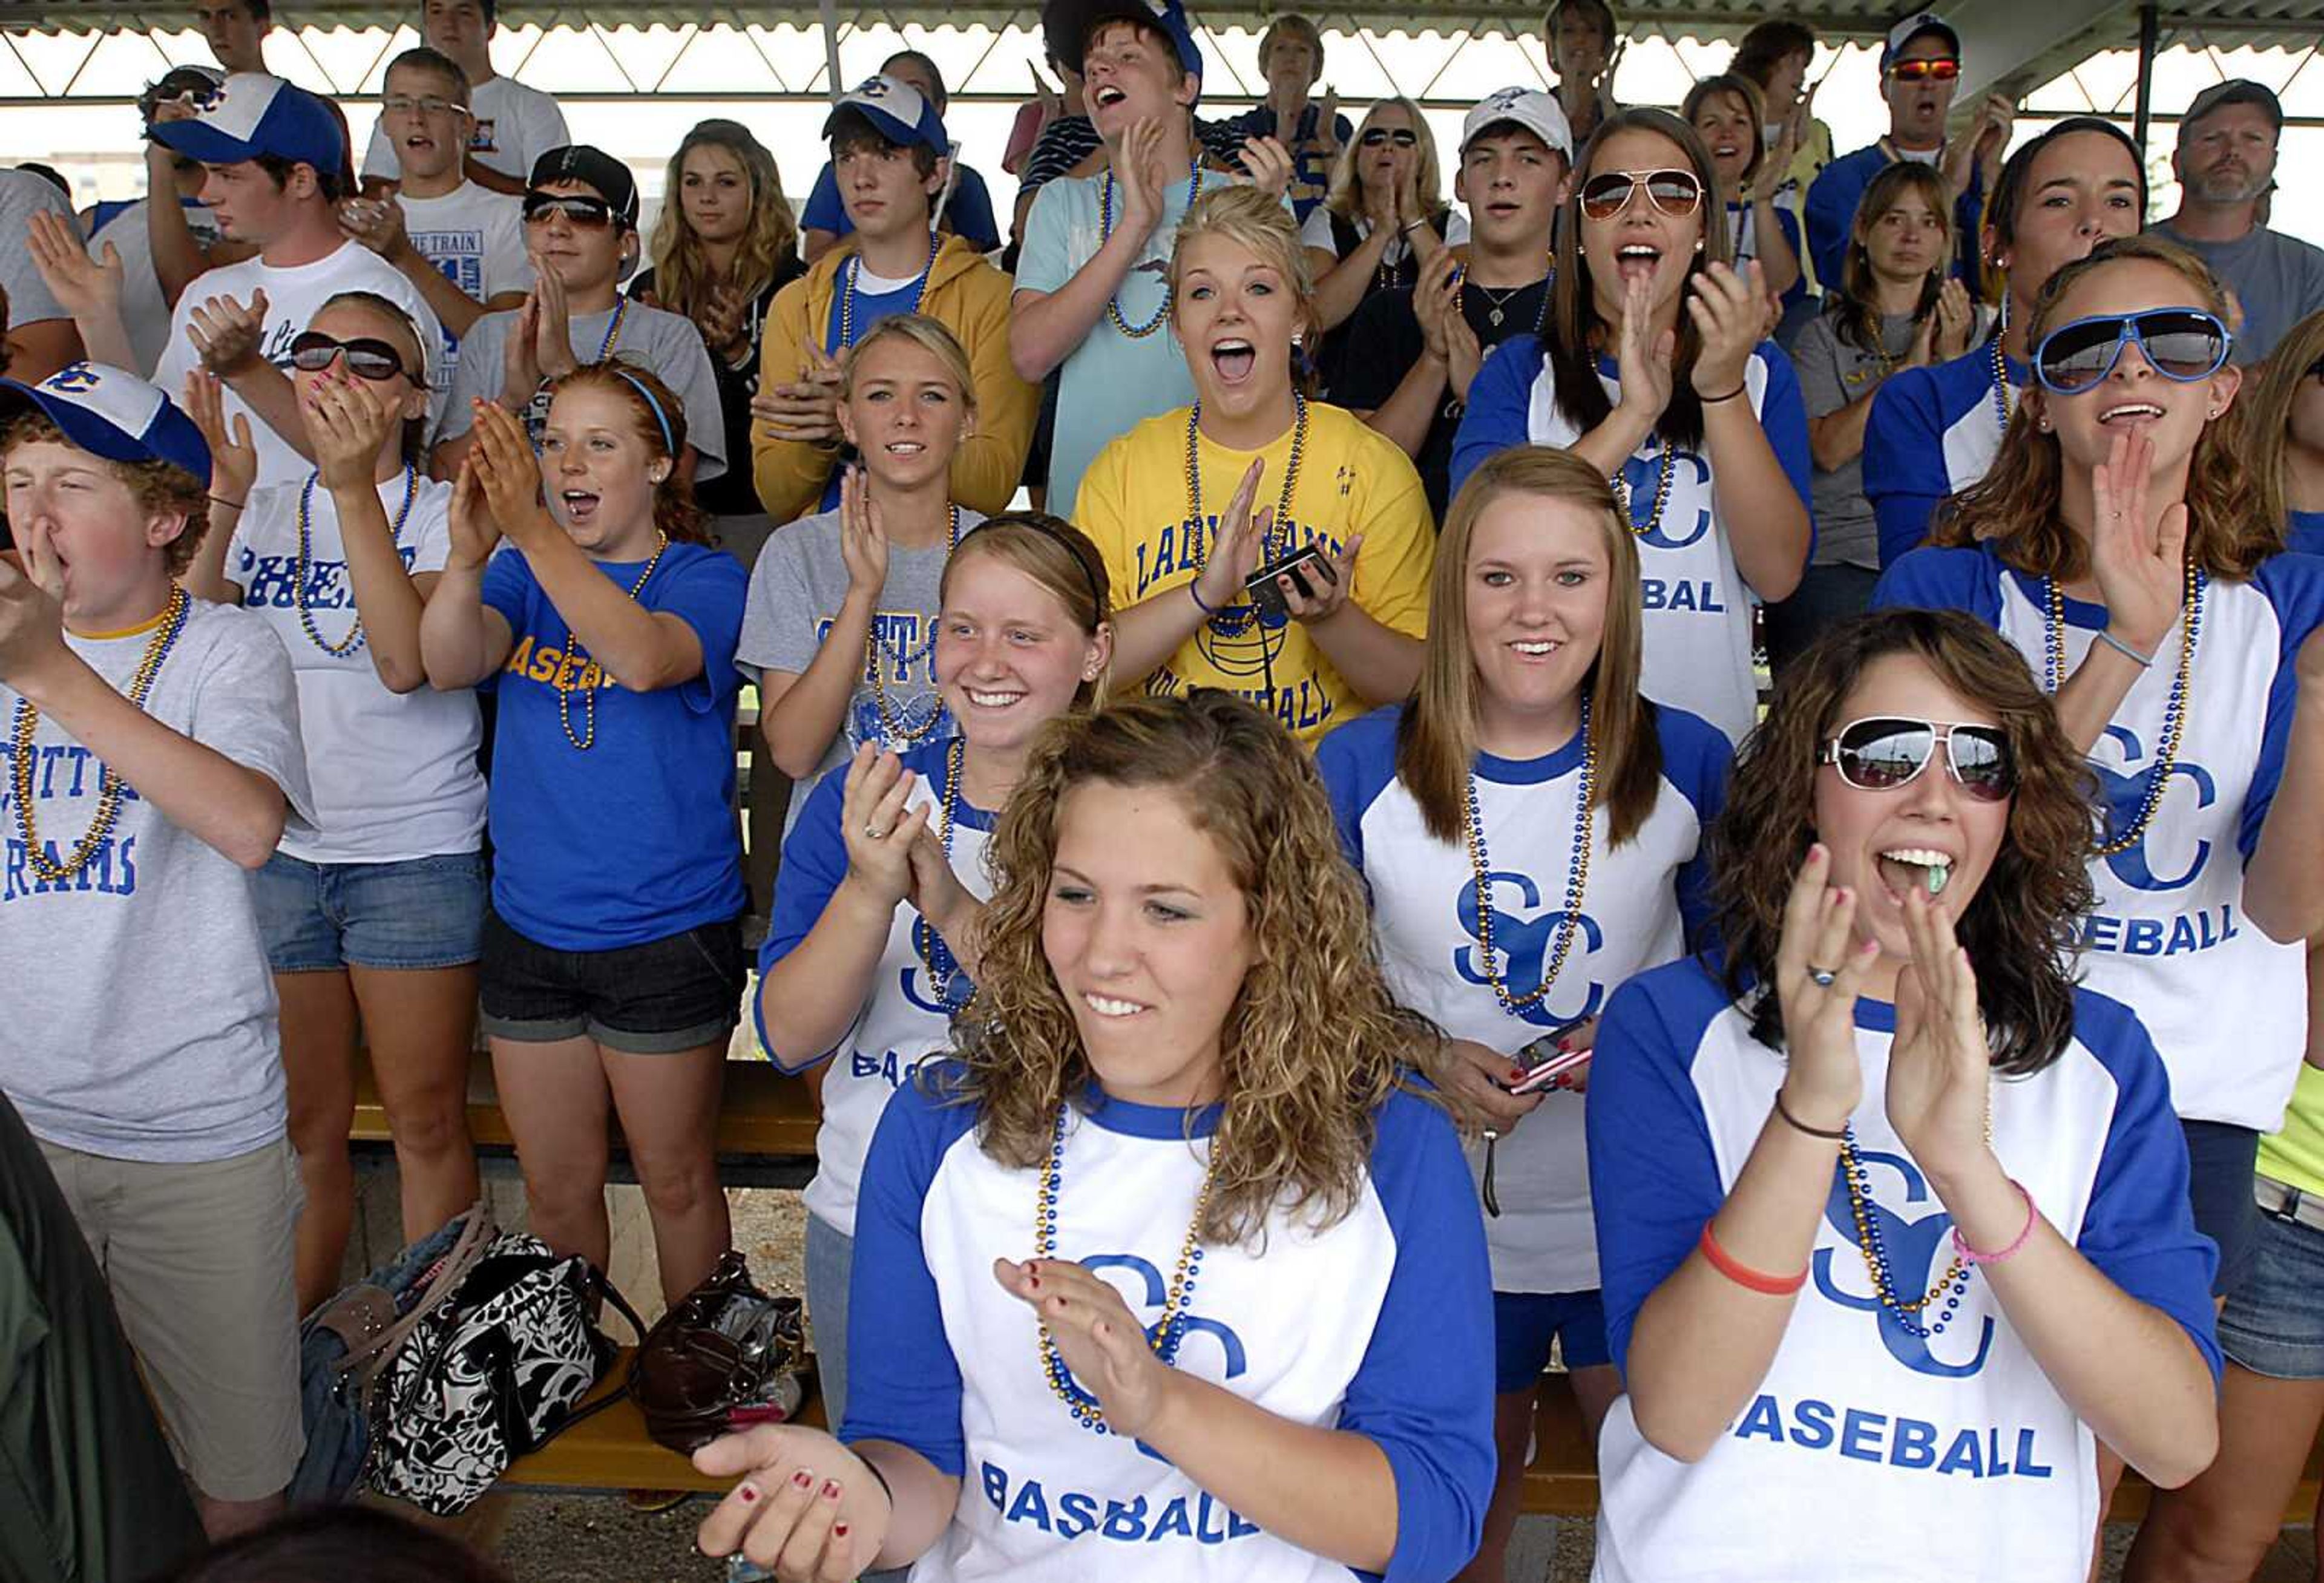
<point x="2010" y="47"/>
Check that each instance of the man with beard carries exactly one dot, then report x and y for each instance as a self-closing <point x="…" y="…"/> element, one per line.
<point x="2225" y="166"/>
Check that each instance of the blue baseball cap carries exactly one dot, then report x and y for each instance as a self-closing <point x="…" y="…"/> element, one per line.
<point x="251" y="114"/>
<point x="1067" y="26"/>
<point x="113" y="414"/>
<point x="1913" y="27"/>
<point x="895" y="110"/>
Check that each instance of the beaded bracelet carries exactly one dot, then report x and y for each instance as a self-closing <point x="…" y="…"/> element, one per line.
<point x="2144" y="661"/>
<point x="1743" y="1274"/>
<point x="1961" y="1243"/>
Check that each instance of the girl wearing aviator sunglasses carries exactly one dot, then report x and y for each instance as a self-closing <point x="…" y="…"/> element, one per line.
<point x="1892" y="1218"/>
<point x="2117" y="545"/>
<point x="1653" y="370"/>
<point x="375" y="915"/>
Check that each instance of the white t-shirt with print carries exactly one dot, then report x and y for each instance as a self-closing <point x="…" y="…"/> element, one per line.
<point x="394" y="775"/>
<point x="475" y="236"/>
<point x="515" y="125"/>
<point x="144" y="310"/>
<point x="139" y="1015"/>
<point x="294" y="296"/>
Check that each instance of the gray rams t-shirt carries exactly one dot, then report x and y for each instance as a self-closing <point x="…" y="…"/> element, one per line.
<point x="796" y="591"/>
<point x="2278" y="278"/>
<point x="140" y="1020"/>
<point x="666" y="342"/>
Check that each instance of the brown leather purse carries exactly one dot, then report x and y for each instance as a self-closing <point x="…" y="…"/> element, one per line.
<point x="728" y="1356"/>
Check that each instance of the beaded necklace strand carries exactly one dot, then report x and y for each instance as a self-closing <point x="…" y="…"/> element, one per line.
<point x="613" y="329"/>
<point x="109" y="787"/>
<point x="847" y="293"/>
<point x="935" y="955"/>
<point x="1233" y="620"/>
<point x="2001" y="366"/>
<point x="1577" y="880"/>
<point x="876" y="648"/>
<point x="1662" y="496"/>
<point x="1910" y="1312"/>
<point x="578" y="657"/>
<point x="1167" y="1332"/>
<point x="2175" y="709"/>
<point x="1105" y="231"/>
<point x="355" y="638"/>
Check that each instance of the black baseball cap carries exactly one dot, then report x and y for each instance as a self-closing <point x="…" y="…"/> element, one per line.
<point x="593" y="167"/>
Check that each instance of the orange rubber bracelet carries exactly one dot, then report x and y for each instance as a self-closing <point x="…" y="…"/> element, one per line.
<point x="1743" y="1274"/>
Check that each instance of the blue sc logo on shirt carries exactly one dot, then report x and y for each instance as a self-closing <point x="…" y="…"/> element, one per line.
<point x="2125" y="794"/>
<point x="1915" y="1250"/>
<point x="1525" y="938"/>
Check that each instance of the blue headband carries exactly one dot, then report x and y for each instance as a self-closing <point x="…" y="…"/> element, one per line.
<point x="660" y="418"/>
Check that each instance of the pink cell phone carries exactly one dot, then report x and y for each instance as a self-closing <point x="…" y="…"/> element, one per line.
<point x="1540" y="1077"/>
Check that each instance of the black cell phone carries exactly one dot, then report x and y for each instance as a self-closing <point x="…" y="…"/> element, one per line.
<point x="1261" y="584"/>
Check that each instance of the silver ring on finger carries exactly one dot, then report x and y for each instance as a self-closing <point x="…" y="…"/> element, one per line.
<point x="872" y="833"/>
<point x="1823" y="977"/>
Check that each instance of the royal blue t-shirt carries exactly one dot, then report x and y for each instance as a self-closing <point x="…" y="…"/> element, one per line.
<point x="1932" y="432"/>
<point x="634" y="839"/>
<point x="969" y="211"/>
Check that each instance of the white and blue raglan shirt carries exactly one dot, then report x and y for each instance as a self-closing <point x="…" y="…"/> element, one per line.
<point x="906" y="1017"/>
<point x="1379" y="1324"/>
<point x="1868" y="1450"/>
<point x="2169" y="938"/>
<point x="1698" y="608"/>
<point x="1645" y="899"/>
<point x="1932" y="432"/>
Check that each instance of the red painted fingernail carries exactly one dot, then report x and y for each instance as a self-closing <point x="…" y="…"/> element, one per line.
<point x="1565" y="1046"/>
<point x="839" y="1530"/>
<point x="746" y="1492"/>
<point x="831" y="1490"/>
<point x="1517" y="1074"/>
<point x="803" y="1480"/>
<point x="1034" y="1282"/>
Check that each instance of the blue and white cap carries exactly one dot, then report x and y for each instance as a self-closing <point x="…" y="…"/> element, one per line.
<point x="251" y="114"/>
<point x="113" y="414"/>
<point x="896" y="109"/>
<point x="1913" y="27"/>
<point x="1067" y="24"/>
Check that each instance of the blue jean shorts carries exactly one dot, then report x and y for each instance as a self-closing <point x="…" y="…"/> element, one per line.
<point x="2274" y="1323"/>
<point x="419" y="914"/>
<point x="1526" y="1323"/>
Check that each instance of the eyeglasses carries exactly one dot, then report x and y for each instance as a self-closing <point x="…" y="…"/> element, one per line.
<point x="1403" y="137"/>
<point x="1883" y="753"/>
<point x="313" y="351"/>
<point x="405" y="104"/>
<point x="1941" y="69"/>
<point x="2180" y="343"/>
<point x="583" y="214"/>
<point x="1676" y="193"/>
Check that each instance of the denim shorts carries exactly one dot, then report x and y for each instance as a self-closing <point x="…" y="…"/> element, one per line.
<point x="418" y="914"/>
<point x="1526" y="1323"/>
<point x="2221" y="1159"/>
<point x="2274" y="1323"/>
<point x="667" y="995"/>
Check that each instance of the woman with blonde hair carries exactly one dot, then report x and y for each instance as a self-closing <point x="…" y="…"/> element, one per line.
<point x="2285" y="421"/>
<point x="1383" y="219"/>
<point x="1531" y="829"/>
<point x="726" y="244"/>
<point x="2117" y="544"/>
<point x="1313" y="606"/>
<point x="1240" y="1328"/>
<point x="1726" y="111"/>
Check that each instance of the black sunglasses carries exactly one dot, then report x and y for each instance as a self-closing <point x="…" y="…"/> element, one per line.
<point x="2183" y="345"/>
<point x="584" y="214"/>
<point x="312" y="352"/>
<point x="1884" y="752"/>
<point x="1676" y="193"/>
<point x="1403" y="137"/>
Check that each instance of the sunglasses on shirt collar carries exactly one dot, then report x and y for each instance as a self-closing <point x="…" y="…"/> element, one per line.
<point x="1403" y="137"/>
<point x="1885" y="754"/>
<point x="1676" y="193"/>
<point x="583" y="214"/>
<point x="1941" y="69"/>
<point x="2183" y="345"/>
<point x="312" y="352"/>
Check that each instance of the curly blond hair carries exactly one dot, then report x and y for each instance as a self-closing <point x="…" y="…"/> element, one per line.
<point x="1313" y="1044"/>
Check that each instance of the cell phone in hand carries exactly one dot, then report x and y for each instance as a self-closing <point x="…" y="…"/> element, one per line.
<point x="1543" y="1062"/>
<point x="1298" y="566"/>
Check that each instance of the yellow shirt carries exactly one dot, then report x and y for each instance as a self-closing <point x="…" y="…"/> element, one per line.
<point x="2295" y="1156"/>
<point x="1352" y="480"/>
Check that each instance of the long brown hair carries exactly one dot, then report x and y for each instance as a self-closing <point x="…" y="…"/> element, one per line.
<point x="652" y="404"/>
<point x="2268" y="420"/>
<point x="1313" y="1045"/>
<point x="2021" y="927"/>
<point x="681" y="267"/>
<point x="1856" y="316"/>
<point x="2015" y="504"/>
<point x="1436" y="739"/>
<point x="1754" y="104"/>
<point x="1577" y="331"/>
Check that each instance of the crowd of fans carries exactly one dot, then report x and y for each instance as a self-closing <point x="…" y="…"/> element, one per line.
<point x="1638" y="745"/>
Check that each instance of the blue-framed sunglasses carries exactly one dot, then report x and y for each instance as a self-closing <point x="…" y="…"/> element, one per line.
<point x="2180" y="343"/>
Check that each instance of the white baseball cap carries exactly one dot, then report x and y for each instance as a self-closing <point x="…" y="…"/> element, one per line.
<point x="1537" y="112"/>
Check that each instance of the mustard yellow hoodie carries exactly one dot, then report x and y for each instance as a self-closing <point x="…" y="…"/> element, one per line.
<point x="968" y="297"/>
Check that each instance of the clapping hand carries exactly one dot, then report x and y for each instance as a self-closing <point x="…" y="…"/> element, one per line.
<point x="1940" y="1066"/>
<point x="863" y="535"/>
<point x="510" y="474"/>
<point x="1097" y="1338"/>
<point x="552" y="339"/>
<point x="233" y="456"/>
<point x="1235" y="548"/>
<point x="228" y="333"/>
<point x="877" y="826"/>
<point x="1729" y="307"/>
<point x="2141" y="568"/>
<point x="1642" y="360"/>
<point x="348" y="424"/>
<point x="1269" y="164"/>
<point x="377" y="224"/>
<point x="474" y="534"/>
<point x="1820" y="971"/>
<point x="83" y="287"/>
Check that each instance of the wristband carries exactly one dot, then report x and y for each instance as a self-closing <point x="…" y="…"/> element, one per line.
<point x="1743" y="1274"/>
<point x="1714" y="400"/>
<point x="1197" y="594"/>
<point x="2145" y="661"/>
<point x="1797" y="1125"/>
<point x="1961" y="1243"/>
<point x="1407" y="228"/>
<point x="216" y="499"/>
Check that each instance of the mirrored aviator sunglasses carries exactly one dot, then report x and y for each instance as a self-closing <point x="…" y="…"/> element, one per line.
<point x="587" y="214"/>
<point x="2180" y="343"/>
<point x="1676" y="193"/>
<point x="1883" y="753"/>
<point x="312" y="352"/>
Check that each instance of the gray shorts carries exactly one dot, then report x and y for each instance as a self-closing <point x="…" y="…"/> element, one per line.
<point x="198" y="1259"/>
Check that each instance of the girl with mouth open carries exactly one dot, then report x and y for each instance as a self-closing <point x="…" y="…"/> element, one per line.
<point x="1652" y="369"/>
<point x="870" y="949"/>
<point x="1726" y="111"/>
<point x="1176" y="503"/>
<point x="613" y="960"/>
<point x="2117" y="545"/>
<point x="1531" y="830"/>
<point x="1242" y="1329"/>
<point x="1892" y="1216"/>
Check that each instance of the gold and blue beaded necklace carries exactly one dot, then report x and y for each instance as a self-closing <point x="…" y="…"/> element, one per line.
<point x="1911" y="1312"/>
<point x="2175" y="708"/>
<point x="1105" y="231"/>
<point x="578" y="657"/>
<point x="944" y="967"/>
<point x="847" y="292"/>
<point x="1577" y="880"/>
<point x="876" y="648"/>
<point x="355" y="638"/>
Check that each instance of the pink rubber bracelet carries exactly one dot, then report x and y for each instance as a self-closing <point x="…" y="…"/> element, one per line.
<point x="1961" y="1243"/>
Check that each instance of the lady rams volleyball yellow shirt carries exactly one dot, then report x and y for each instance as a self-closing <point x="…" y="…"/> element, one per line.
<point x="1134" y="505"/>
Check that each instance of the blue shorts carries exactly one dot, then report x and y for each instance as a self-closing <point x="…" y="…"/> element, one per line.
<point x="2221" y="1159"/>
<point x="2274" y="1323"/>
<point x="1526" y="1323"/>
<point x="418" y="914"/>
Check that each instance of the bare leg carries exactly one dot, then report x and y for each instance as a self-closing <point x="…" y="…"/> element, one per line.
<point x="669" y="1107"/>
<point x="319" y="1053"/>
<point x="554" y="1096"/>
<point x="1594" y="1390"/>
<point x="2219" y="1528"/>
<point x="421" y="1028"/>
